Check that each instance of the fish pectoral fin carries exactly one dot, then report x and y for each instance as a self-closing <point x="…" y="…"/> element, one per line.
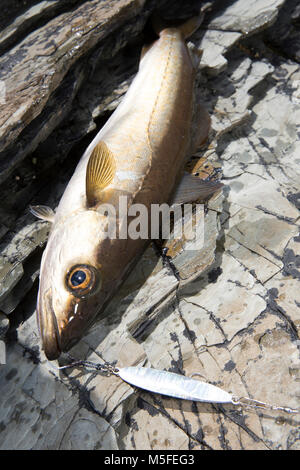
<point x="192" y="188"/>
<point x="100" y="172"/>
<point x="43" y="212"/>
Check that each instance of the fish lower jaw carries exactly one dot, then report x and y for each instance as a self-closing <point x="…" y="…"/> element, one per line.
<point x="48" y="327"/>
<point x="51" y="348"/>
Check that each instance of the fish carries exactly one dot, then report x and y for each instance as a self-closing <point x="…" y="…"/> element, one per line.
<point x="139" y="154"/>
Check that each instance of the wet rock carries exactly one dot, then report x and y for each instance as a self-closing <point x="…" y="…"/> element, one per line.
<point x="215" y="44"/>
<point x="284" y="34"/>
<point x="19" y="251"/>
<point x="247" y="17"/>
<point x="29" y="18"/>
<point x="4" y="325"/>
<point x="72" y="33"/>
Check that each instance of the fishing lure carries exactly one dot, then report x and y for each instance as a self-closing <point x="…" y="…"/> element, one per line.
<point x="176" y="385"/>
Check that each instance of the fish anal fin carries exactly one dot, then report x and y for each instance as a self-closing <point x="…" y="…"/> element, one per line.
<point x="192" y="188"/>
<point x="100" y="172"/>
<point x="43" y="212"/>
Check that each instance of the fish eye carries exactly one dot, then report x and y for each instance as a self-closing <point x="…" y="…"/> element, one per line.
<point x="78" y="278"/>
<point x="82" y="279"/>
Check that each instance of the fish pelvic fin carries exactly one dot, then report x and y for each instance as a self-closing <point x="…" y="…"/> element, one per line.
<point x="100" y="172"/>
<point x="43" y="212"/>
<point x="192" y="188"/>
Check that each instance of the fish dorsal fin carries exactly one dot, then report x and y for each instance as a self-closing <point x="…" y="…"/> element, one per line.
<point x="192" y="188"/>
<point x="43" y="212"/>
<point x="99" y="173"/>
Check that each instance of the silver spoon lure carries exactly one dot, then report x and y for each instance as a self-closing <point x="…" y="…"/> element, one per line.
<point x="175" y="385"/>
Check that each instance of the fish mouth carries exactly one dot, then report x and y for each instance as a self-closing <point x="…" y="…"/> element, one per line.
<point x="54" y="340"/>
<point x="60" y="333"/>
<point x="48" y="327"/>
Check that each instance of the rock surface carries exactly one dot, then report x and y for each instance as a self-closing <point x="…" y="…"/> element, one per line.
<point x="229" y="310"/>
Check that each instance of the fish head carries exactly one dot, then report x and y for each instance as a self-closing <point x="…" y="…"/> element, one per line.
<point x="70" y="290"/>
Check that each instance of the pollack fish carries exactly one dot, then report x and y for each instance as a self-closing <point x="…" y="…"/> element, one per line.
<point x="139" y="153"/>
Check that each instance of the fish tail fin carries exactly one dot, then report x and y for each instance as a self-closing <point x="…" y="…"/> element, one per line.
<point x="191" y="25"/>
<point x="187" y="28"/>
<point x="158" y="23"/>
